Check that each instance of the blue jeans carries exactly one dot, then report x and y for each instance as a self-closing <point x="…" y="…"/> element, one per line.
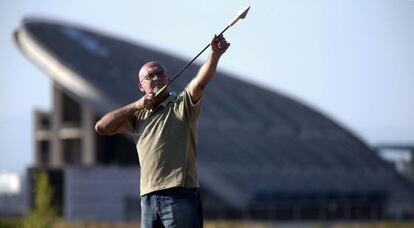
<point x="174" y="207"/>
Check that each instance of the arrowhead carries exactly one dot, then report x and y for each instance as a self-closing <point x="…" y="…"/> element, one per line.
<point x="240" y="15"/>
<point x="243" y="12"/>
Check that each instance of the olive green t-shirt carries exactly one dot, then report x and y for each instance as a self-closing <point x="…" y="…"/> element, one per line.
<point x="166" y="144"/>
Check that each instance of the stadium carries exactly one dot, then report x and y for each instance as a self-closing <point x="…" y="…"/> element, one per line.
<point x="262" y="155"/>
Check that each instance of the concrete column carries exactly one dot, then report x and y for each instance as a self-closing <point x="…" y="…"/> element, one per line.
<point x="88" y="136"/>
<point x="411" y="164"/>
<point x="56" y="156"/>
<point x="36" y="120"/>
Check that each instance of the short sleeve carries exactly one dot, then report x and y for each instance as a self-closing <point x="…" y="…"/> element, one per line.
<point x="186" y="107"/>
<point x="132" y="121"/>
<point x="193" y="109"/>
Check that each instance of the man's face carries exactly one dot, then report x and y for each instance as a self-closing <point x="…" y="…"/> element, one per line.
<point x="152" y="77"/>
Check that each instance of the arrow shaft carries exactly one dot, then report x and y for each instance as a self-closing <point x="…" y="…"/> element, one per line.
<point x="187" y="65"/>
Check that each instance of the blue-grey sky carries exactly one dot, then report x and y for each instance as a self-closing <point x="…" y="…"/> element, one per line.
<point x="350" y="59"/>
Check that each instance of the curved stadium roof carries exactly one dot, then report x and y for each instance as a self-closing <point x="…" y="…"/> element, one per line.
<point x="254" y="144"/>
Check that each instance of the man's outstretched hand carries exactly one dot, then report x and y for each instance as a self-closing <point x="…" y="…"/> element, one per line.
<point x="219" y="45"/>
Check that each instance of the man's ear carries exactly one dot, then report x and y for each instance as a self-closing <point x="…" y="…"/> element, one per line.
<point x="140" y="87"/>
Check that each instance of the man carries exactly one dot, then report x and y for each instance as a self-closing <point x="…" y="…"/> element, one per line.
<point x="166" y="128"/>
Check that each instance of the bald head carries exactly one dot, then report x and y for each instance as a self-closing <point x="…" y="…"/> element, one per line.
<point x="152" y="77"/>
<point x="149" y="67"/>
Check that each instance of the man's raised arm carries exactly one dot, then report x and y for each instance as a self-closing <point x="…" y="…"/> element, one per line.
<point x="219" y="45"/>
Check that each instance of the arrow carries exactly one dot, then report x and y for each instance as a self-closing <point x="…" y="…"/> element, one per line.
<point x="240" y="15"/>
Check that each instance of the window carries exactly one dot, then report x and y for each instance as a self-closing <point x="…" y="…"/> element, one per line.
<point x="72" y="151"/>
<point x="44" y="152"/>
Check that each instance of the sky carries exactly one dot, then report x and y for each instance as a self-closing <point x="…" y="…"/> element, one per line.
<point x="353" y="60"/>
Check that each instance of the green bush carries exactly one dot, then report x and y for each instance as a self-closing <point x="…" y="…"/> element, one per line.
<point x="44" y="214"/>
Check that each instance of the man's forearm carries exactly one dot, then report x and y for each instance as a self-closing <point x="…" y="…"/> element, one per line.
<point x="219" y="45"/>
<point x="204" y="75"/>
<point x="111" y="122"/>
<point x="207" y="71"/>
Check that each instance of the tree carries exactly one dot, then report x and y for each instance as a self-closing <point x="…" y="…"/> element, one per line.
<point x="44" y="214"/>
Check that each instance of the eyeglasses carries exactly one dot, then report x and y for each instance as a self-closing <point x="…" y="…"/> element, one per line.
<point x="152" y="75"/>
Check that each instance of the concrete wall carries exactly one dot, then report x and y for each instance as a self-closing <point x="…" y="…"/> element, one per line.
<point x="102" y="194"/>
